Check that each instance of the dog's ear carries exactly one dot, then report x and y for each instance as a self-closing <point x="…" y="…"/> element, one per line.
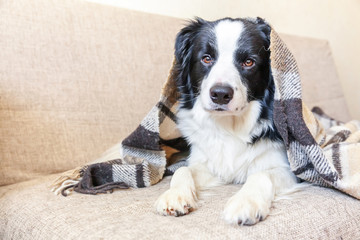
<point x="184" y="45"/>
<point x="264" y="27"/>
<point x="266" y="30"/>
<point x="184" y="40"/>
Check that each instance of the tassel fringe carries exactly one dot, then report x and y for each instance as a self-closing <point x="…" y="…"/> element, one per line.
<point x="65" y="183"/>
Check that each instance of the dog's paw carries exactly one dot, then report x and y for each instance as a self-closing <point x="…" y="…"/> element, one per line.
<point x="176" y="202"/>
<point x="243" y="209"/>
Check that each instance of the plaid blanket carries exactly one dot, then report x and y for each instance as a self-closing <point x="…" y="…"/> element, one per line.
<point x="328" y="156"/>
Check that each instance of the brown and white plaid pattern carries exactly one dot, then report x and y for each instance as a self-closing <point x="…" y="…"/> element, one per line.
<point x="329" y="158"/>
<point x="153" y="150"/>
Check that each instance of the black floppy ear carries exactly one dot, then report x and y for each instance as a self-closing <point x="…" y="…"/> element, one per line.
<point x="184" y="40"/>
<point x="264" y="27"/>
<point x="184" y="45"/>
<point x="266" y="30"/>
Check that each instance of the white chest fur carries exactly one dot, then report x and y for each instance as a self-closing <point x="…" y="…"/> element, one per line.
<point x="222" y="142"/>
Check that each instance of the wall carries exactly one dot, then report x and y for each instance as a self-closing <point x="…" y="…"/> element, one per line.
<point x="336" y="21"/>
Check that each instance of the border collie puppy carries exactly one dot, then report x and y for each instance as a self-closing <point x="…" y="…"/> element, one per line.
<point x="225" y="114"/>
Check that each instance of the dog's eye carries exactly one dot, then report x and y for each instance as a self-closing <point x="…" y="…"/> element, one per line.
<point x="207" y="59"/>
<point x="248" y="63"/>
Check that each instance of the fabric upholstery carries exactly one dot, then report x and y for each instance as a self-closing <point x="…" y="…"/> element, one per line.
<point x="69" y="69"/>
<point x="319" y="213"/>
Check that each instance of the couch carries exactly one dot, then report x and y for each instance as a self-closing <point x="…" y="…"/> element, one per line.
<point x="76" y="78"/>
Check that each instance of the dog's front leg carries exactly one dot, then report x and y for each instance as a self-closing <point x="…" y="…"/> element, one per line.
<point x="181" y="198"/>
<point x="253" y="202"/>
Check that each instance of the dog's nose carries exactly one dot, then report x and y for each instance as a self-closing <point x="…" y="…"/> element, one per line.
<point x="221" y="94"/>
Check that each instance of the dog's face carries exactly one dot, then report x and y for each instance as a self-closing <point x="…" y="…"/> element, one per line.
<point x="223" y="64"/>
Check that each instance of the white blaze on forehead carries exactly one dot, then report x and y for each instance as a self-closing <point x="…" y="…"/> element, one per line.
<point x="227" y="36"/>
<point x="224" y="71"/>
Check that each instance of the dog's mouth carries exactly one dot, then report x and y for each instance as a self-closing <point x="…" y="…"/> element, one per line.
<point x="225" y="110"/>
<point x="220" y="109"/>
<point x="217" y="109"/>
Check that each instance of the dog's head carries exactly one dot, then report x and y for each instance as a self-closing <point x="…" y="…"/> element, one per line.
<point x="223" y="64"/>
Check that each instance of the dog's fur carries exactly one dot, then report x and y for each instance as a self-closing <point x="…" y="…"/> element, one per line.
<point x="225" y="113"/>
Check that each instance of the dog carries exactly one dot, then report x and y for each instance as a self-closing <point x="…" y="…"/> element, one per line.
<point x="226" y="115"/>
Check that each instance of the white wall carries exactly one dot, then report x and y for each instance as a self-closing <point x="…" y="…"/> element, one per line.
<point x="334" y="20"/>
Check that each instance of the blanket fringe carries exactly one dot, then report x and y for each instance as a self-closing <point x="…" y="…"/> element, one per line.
<point x="64" y="184"/>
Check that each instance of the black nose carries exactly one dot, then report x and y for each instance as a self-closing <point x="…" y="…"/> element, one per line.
<point x="221" y="94"/>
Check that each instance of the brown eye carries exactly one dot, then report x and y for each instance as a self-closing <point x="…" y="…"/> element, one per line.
<point x="248" y="63"/>
<point x="207" y="59"/>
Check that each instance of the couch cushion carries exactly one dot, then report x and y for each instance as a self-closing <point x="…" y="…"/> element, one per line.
<point x="76" y="78"/>
<point x="30" y="211"/>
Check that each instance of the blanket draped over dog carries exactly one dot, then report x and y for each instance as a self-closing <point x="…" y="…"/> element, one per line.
<point x="327" y="157"/>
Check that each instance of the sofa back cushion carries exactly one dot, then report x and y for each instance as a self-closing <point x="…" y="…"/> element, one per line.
<point x="77" y="77"/>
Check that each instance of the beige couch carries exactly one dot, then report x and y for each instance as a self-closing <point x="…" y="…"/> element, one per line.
<point x="76" y="78"/>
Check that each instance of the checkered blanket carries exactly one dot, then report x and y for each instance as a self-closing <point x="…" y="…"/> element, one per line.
<point x="327" y="157"/>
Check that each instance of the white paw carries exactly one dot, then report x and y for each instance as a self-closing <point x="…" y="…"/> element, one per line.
<point x="242" y="209"/>
<point x="176" y="202"/>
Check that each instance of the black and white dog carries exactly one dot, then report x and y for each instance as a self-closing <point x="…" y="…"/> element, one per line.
<point x="225" y="113"/>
